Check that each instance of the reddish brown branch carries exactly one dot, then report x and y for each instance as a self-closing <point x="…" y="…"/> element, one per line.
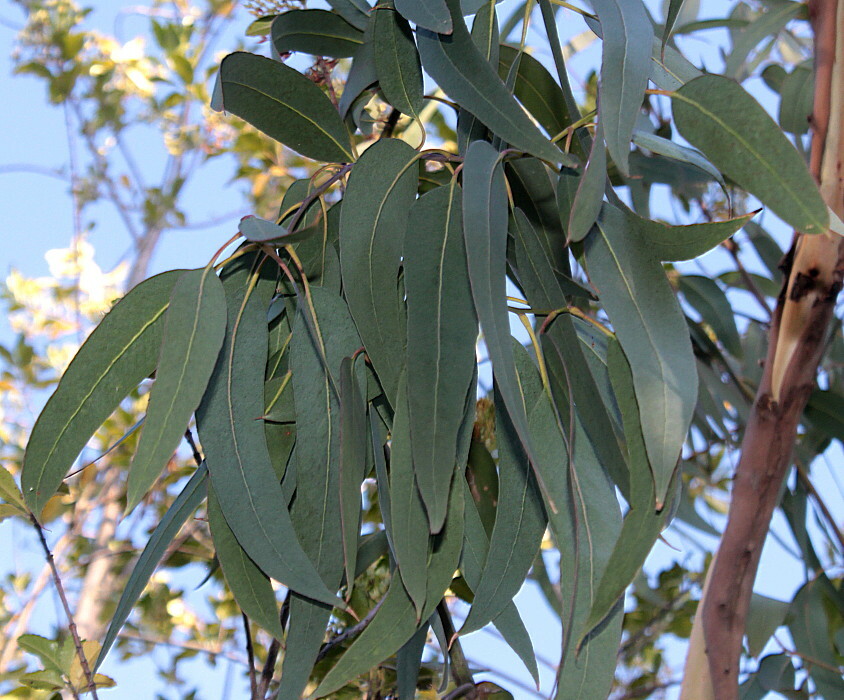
<point x="800" y="324"/>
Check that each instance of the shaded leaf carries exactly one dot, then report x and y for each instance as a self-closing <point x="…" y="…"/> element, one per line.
<point x="362" y="74"/>
<point x="485" y="232"/>
<point x="674" y="7"/>
<point x="639" y="301"/>
<point x="716" y="115"/>
<point x="396" y="620"/>
<point x="284" y="104"/>
<point x="486" y="37"/>
<point x="409" y="523"/>
<point x="764" y="616"/>
<point x="234" y="442"/>
<point x="520" y="521"/>
<point x="669" y="149"/>
<point x="249" y="585"/>
<point x="116" y="357"/>
<point x="381" y="189"/>
<point x="397" y="61"/>
<point x="744" y="41"/>
<point x="355" y="12"/>
<point x="625" y="66"/>
<point x="466" y="75"/>
<point x="430" y="14"/>
<point x="590" y="190"/>
<point x="168" y="527"/>
<point x="712" y="304"/>
<point x="826" y="411"/>
<point x="262" y="231"/>
<point x="317" y="32"/>
<point x="441" y="335"/>
<point x="796" y="96"/>
<point x="193" y="334"/>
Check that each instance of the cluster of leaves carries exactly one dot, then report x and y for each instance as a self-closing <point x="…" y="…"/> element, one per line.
<point x="336" y="348"/>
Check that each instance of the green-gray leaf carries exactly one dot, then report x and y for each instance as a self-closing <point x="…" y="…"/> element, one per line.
<point x="626" y="64"/>
<point x="712" y="304"/>
<point x="249" y="585"/>
<point x="317" y="32"/>
<point x="235" y="444"/>
<point x="466" y="75"/>
<point x="590" y="190"/>
<point x="283" y="104"/>
<point x="193" y="334"/>
<point x="639" y="301"/>
<point x="116" y="357"/>
<point x="430" y="14"/>
<point x="397" y="61"/>
<point x="441" y="334"/>
<point x="373" y="220"/>
<point x="184" y="504"/>
<point x="716" y="115"/>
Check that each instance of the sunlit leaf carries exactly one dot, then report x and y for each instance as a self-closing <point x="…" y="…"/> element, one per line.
<point x="717" y="116"/>
<point x="283" y="104"/>
<point x="193" y="334"/>
<point x="116" y="357"/>
<point x="625" y="67"/>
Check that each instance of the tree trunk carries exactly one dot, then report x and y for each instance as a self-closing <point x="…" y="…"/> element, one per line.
<point x="814" y="267"/>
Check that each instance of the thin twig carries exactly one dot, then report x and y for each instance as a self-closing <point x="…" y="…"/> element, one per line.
<point x="459" y="666"/>
<point x="349" y="632"/>
<point x="77" y="643"/>
<point x="813" y="492"/>
<point x="269" y="668"/>
<point x="250" y="655"/>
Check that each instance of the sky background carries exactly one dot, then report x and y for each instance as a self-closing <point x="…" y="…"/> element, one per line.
<point x="36" y="212"/>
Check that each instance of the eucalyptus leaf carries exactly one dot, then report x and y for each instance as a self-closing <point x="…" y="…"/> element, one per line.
<point x="397" y="61"/>
<point x="193" y="335"/>
<point x="465" y="74"/>
<point x="430" y="14"/>
<point x="590" y="190"/>
<point x="735" y="133"/>
<point x="441" y="335"/>
<point x="116" y="357"/>
<point x="317" y="32"/>
<point x="284" y="104"/>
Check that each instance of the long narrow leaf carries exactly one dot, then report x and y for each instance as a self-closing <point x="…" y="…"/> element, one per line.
<point x="193" y="335"/>
<point x="117" y="356"/>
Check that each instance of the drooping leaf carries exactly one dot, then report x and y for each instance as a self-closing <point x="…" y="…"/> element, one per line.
<point x="639" y="301"/>
<point x="115" y="358"/>
<point x="408" y="662"/>
<point x="317" y="32"/>
<point x="717" y="116"/>
<point x="485" y="233"/>
<point x="590" y="190"/>
<point x="666" y="242"/>
<point x="397" y="61"/>
<point x="262" y="231"/>
<point x="409" y="522"/>
<point x="193" y="334"/>
<point x="796" y="96"/>
<point x="486" y="37"/>
<point x="235" y="444"/>
<point x="373" y="220"/>
<point x="826" y="411"/>
<point x="183" y="506"/>
<point x="625" y="67"/>
<point x="396" y="619"/>
<point x="642" y="523"/>
<point x="764" y="616"/>
<point x="354" y="434"/>
<point x="712" y="304"/>
<point x="475" y="552"/>
<point x="249" y="585"/>
<point x="10" y="492"/>
<point x="520" y="521"/>
<point x="463" y="72"/>
<point x="284" y="104"/>
<point x="430" y="14"/>
<point x="441" y="334"/>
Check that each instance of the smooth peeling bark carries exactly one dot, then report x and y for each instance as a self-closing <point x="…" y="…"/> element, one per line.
<point x="814" y="269"/>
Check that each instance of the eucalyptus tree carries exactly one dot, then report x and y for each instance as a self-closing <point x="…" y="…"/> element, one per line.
<point x="330" y="359"/>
